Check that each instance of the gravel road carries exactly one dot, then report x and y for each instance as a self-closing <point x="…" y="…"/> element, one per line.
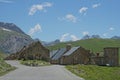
<point x="53" y="72"/>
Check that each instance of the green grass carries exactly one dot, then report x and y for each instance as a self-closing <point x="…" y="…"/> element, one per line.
<point x="5" y="68"/>
<point x="2" y="55"/>
<point x="95" y="45"/>
<point x="93" y="72"/>
<point x="34" y="63"/>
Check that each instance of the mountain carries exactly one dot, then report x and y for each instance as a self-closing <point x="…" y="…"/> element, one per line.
<point x="94" y="45"/>
<point x="95" y="36"/>
<point x="91" y="37"/>
<point x="86" y="37"/>
<point x="12" y="38"/>
<point x="50" y="43"/>
<point x="10" y="26"/>
<point x="115" y="37"/>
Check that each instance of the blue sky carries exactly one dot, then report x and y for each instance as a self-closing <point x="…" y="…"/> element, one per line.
<point x="63" y="19"/>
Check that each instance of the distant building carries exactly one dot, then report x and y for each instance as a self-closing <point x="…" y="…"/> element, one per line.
<point x="55" y="58"/>
<point x="110" y="57"/>
<point x="70" y="55"/>
<point x="98" y="60"/>
<point x="32" y="52"/>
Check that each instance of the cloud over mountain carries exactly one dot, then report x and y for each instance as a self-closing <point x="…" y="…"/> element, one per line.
<point x="36" y="28"/>
<point x="65" y="36"/>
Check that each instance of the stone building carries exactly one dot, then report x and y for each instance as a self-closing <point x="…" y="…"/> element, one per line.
<point x="76" y="55"/>
<point x="110" y="57"/>
<point x="34" y="51"/>
<point x="31" y="52"/>
<point x="56" y="55"/>
<point x="70" y="55"/>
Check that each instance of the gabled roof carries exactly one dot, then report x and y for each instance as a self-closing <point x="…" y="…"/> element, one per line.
<point x="71" y="51"/>
<point x="58" y="54"/>
<point x="52" y="53"/>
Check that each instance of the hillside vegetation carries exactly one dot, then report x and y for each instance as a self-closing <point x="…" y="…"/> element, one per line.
<point x="4" y="67"/>
<point x="34" y="63"/>
<point x="94" y="45"/>
<point x="2" y="55"/>
<point x="93" y="72"/>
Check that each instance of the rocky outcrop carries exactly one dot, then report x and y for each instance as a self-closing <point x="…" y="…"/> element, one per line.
<point x="12" y="38"/>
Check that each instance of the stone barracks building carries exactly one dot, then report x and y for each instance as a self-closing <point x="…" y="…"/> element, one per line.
<point x="110" y="57"/>
<point x="70" y="55"/>
<point x="33" y="51"/>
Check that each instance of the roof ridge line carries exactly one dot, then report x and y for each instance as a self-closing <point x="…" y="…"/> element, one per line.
<point x="55" y="53"/>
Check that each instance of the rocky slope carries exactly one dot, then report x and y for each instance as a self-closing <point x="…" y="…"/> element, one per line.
<point x="12" y="38"/>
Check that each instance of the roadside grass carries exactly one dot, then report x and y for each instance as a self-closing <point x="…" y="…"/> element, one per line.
<point x="94" y="72"/>
<point x="36" y="63"/>
<point x="5" y="68"/>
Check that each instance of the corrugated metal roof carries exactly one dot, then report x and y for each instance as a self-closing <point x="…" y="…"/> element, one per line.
<point x="59" y="53"/>
<point x="52" y="53"/>
<point x="71" y="51"/>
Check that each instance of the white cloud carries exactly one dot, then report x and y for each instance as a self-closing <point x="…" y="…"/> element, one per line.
<point x="47" y="4"/>
<point x="85" y="33"/>
<point x="74" y="38"/>
<point x="111" y="28"/>
<point x="62" y="39"/>
<point x="68" y="36"/>
<point x="96" y="5"/>
<point x="69" y="17"/>
<point x="6" y="1"/>
<point x="35" y="29"/>
<point x="39" y="7"/>
<point x="83" y="10"/>
<point x="34" y="8"/>
<point x="105" y="34"/>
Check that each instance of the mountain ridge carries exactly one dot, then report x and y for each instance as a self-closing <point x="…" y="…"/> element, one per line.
<point x="12" y="38"/>
<point x="11" y="26"/>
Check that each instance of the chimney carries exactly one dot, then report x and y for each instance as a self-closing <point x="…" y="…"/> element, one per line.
<point x="98" y="54"/>
<point x="68" y="47"/>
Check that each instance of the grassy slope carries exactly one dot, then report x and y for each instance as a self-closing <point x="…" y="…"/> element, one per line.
<point x="92" y="72"/>
<point x="2" y="55"/>
<point x="4" y="67"/>
<point x="95" y="45"/>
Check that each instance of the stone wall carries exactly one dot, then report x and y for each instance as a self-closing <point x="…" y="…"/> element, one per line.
<point x="80" y="56"/>
<point x="111" y="55"/>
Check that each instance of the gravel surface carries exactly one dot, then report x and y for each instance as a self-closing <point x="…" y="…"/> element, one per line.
<point x="53" y="72"/>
